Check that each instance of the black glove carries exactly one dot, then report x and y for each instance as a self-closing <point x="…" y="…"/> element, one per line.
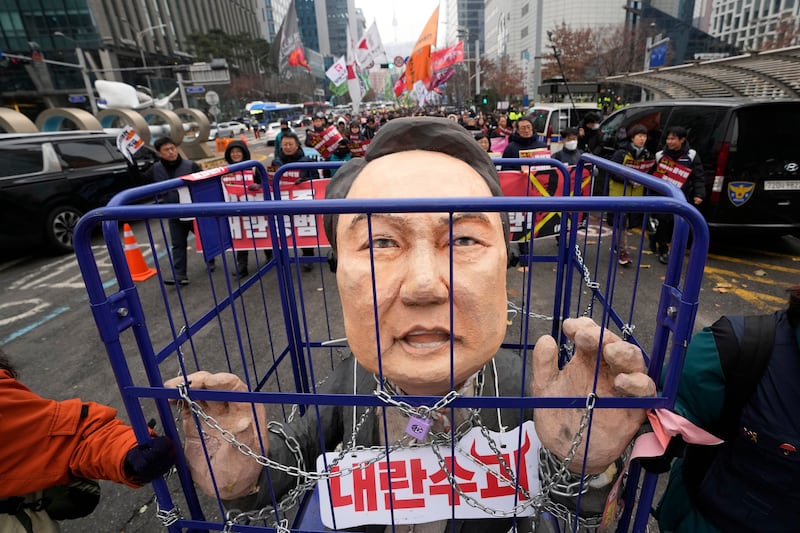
<point x="146" y="462"/>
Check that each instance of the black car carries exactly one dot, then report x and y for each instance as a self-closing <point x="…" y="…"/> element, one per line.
<point x="748" y="148"/>
<point x="48" y="180"/>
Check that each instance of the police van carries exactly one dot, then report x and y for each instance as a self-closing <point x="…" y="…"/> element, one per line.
<point x="749" y="152"/>
<point x="550" y="120"/>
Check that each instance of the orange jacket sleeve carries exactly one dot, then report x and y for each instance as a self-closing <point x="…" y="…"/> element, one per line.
<point x="44" y="442"/>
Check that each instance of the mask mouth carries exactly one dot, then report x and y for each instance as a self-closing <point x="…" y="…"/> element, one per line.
<point x="426" y="339"/>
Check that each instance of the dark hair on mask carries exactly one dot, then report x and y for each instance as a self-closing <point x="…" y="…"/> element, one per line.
<point x="161" y="141"/>
<point x="432" y="134"/>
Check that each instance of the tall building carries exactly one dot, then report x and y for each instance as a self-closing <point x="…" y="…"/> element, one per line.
<point x="117" y="37"/>
<point x="754" y="24"/>
<point x="518" y="28"/>
<point x="323" y="24"/>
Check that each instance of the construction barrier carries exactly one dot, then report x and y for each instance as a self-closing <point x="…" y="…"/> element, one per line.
<point x="281" y="331"/>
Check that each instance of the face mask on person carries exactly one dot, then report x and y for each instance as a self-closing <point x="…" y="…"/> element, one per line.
<point x="571" y="145"/>
<point x="594" y="126"/>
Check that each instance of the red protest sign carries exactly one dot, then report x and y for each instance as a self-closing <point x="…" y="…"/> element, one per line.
<point x="325" y="141"/>
<point x="252" y="231"/>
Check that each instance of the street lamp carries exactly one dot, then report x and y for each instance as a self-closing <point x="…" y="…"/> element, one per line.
<point x="139" y="35"/>
<point x="84" y="72"/>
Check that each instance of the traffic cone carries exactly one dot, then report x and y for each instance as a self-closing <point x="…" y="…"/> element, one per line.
<point x="136" y="263"/>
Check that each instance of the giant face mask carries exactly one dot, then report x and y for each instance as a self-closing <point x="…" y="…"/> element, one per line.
<point x="411" y="254"/>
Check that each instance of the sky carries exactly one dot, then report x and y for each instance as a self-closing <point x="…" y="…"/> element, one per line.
<point x="411" y="18"/>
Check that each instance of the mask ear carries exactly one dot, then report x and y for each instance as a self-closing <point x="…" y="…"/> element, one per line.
<point x="332" y="261"/>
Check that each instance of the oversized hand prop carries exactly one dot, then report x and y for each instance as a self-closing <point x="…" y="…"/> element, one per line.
<point x="622" y="373"/>
<point x="236" y="475"/>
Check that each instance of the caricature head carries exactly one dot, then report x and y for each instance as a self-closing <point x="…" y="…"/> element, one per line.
<point x="411" y="254"/>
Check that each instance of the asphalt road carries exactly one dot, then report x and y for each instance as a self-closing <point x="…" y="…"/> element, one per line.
<point x="46" y="323"/>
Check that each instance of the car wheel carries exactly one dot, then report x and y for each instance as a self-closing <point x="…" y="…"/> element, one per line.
<point x="59" y="227"/>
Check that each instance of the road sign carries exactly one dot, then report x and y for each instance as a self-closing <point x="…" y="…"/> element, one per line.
<point x="214" y="110"/>
<point x="212" y="98"/>
<point x="195" y="90"/>
<point x="399" y="61"/>
<point x="76" y="99"/>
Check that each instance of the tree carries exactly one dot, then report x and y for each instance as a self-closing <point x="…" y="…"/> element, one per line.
<point x="502" y="78"/>
<point x="787" y="33"/>
<point x="576" y="50"/>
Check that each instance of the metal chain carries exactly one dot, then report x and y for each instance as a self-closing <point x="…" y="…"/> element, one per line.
<point x="167" y="516"/>
<point x="307" y="479"/>
<point x="513" y="310"/>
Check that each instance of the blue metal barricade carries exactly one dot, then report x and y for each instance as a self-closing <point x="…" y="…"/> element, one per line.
<point x="281" y="331"/>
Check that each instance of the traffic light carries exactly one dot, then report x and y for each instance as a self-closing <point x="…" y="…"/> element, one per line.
<point x="484" y="99"/>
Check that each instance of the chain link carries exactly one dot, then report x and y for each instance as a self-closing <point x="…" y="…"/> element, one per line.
<point x="558" y="482"/>
<point x="167" y="517"/>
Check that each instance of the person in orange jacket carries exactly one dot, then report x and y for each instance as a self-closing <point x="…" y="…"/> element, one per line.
<point x="52" y="449"/>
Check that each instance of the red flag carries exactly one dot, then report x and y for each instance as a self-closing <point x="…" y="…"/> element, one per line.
<point x="400" y="84"/>
<point x="448" y="57"/>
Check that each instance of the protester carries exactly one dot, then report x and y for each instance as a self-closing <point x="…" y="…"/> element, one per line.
<point x="292" y="153"/>
<point x="411" y="283"/>
<point x="748" y="483"/>
<point x="52" y="451"/>
<point x="589" y="134"/>
<point x="679" y="165"/>
<point x="524" y="139"/>
<point x="236" y="152"/>
<point x="570" y="153"/>
<point x="633" y="154"/>
<point x="172" y="165"/>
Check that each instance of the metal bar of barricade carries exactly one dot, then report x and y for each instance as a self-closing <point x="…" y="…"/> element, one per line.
<point x="674" y="321"/>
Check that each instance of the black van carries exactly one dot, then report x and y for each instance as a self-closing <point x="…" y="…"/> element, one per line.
<point x="749" y="149"/>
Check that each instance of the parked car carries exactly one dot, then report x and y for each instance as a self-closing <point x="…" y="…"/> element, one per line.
<point x="549" y="120"/>
<point x="273" y="129"/>
<point x="230" y="129"/>
<point x="748" y="148"/>
<point x="212" y="131"/>
<point x="49" y="180"/>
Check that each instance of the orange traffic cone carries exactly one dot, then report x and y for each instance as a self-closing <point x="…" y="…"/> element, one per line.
<point x="136" y="263"/>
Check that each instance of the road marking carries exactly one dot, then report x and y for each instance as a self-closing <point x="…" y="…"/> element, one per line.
<point x="755" y="264"/>
<point x="36" y="324"/>
<point x="38" y="305"/>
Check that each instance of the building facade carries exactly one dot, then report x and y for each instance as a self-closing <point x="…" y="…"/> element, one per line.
<point x="116" y="39"/>
<point x="518" y="28"/>
<point x="756" y="24"/>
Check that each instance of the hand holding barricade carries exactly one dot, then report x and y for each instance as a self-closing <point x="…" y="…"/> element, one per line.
<point x="621" y="373"/>
<point x="234" y="473"/>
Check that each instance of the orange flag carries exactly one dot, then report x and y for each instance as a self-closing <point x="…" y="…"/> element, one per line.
<point x="418" y="66"/>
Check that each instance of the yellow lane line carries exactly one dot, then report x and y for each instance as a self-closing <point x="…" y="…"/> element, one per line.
<point x="765" y="266"/>
<point x="764" y="303"/>
<point x="749" y="277"/>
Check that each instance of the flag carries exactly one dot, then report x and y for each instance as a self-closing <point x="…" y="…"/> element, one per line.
<point x="400" y="85"/>
<point x="440" y="78"/>
<point x="353" y="81"/>
<point x="418" y="66"/>
<point x="369" y="48"/>
<point x="447" y="57"/>
<point x="290" y="46"/>
<point x="338" y="90"/>
<point x="338" y="72"/>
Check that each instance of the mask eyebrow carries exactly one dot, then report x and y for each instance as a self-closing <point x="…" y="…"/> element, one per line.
<point x="388" y="217"/>
<point x="458" y="217"/>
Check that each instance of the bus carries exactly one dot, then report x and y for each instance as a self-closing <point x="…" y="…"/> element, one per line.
<point x="267" y="112"/>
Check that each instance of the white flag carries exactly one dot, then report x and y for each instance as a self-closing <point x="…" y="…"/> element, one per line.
<point x="338" y="72"/>
<point x="353" y="83"/>
<point x="369" y="48"/>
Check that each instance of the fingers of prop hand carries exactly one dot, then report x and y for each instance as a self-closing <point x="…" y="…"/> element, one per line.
<point x="636" y="384"/>
<point x="545" y="362"/>
<point x="623" y="358"/>
<point x="586" y="334"/>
